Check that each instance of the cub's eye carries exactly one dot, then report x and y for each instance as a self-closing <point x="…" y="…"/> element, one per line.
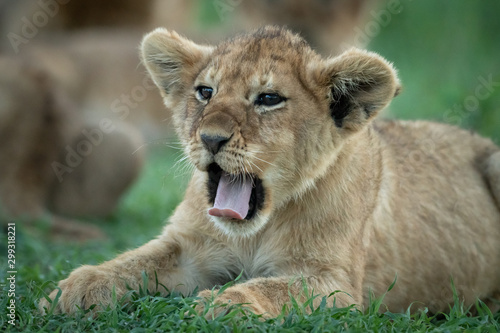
<point x="204" y="93"/>
<point x="269" y="99"/>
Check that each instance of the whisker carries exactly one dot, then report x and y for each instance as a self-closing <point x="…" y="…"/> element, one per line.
<point x="255" y="165"/>
<point x="162" y="142"/>
<point x="245" y="170"/>
<point x="262" y="152"/>
<point x="181" y="160"/>
<point x="260" y="159"/>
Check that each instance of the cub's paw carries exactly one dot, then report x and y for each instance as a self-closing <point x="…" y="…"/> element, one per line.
<point x="213" y="304"/>
<point x="84" y="287"/>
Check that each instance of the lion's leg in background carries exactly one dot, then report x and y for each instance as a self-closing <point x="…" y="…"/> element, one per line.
<point x="177" y="260"/>
<point x="97" y="167"/>
<point x="35" y="116"/>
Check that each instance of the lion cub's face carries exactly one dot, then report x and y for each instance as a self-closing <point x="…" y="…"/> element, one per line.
<point x="262" y="115"/>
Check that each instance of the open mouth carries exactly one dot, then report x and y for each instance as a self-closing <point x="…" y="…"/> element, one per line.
<point x="238" y="197"/>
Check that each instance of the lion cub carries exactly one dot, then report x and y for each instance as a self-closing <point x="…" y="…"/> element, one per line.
<point x="296" y="181"/>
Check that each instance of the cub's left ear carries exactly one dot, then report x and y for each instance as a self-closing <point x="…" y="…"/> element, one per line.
<point x="358" y="84"/>
<point x="172" y="61"/>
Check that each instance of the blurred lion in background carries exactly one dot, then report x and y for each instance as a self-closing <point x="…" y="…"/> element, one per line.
<point x="73" y="116"/>
<point x="53" y="158"/>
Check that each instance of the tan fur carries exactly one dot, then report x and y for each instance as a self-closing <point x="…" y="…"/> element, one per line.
<point x="349" y="202"/>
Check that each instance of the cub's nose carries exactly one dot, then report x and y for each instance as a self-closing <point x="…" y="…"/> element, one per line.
<point x="214" y="142"/>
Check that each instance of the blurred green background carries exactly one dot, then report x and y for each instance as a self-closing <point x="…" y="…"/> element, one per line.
<point x="444" y="51"/>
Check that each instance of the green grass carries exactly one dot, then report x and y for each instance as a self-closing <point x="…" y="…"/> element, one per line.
<point x="440" y="49"/>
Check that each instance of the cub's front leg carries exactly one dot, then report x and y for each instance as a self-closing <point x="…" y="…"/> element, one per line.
<point x="267" y="296"/>
<point x="177" y="260"/>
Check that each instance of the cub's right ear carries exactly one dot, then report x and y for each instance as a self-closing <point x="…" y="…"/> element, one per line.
<point x="172" y="60"/>
<point x="358" y="84"/>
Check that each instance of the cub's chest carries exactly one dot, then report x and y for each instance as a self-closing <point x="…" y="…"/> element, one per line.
<point x="258" y="261"/>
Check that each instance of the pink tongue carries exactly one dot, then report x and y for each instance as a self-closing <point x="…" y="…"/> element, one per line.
<point x="233" y="197"/>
